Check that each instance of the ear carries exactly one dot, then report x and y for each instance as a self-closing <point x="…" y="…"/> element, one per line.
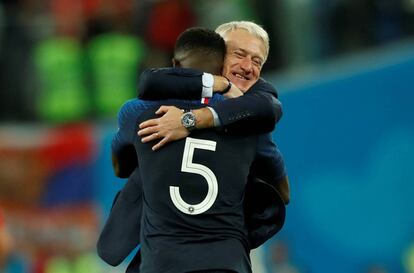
<point x="175" y="62"/>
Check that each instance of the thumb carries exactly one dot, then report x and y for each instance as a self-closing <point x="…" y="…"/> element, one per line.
<point x="162" y="110"/>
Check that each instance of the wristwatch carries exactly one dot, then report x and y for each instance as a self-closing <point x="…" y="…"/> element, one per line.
<point x="227" y="88"/>
<point x="188" y="120"/>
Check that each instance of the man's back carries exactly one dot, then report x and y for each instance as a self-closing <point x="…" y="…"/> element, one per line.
<point x="193" y="202"/>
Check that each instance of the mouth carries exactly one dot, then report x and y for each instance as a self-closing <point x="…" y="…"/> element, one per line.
<point x="239" y="76"/>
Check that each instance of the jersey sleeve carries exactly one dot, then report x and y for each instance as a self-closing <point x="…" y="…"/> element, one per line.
<point x="123" y="150"/>
<point x="170" y="83"/>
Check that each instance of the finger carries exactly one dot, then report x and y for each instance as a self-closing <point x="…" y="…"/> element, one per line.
<point x="160" y="144"/>
<point x="147" y="131"/>
<point x="147" y="123"/>
<point x="162" y="110"/>
<point x="151" y="137"/>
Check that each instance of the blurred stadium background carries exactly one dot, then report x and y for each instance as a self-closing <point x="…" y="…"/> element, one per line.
<point x="344" y="71"/>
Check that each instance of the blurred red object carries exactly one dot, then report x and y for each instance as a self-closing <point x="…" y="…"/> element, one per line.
<point x="5" y="241"/>
<point x="167" y="20"/>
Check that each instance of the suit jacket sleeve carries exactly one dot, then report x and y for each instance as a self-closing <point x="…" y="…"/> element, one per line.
<point x="268" y="164"/>
<point x="120" y="234"/>
<point x="257" y="111"/>
<point x="263" y="206"/>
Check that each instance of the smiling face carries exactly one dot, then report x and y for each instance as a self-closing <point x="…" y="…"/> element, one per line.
<point x="244" y="58"/>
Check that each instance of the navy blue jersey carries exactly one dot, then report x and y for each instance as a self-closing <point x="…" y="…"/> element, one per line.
<point x="193" y="202"/>
<point x="175" y="229"/>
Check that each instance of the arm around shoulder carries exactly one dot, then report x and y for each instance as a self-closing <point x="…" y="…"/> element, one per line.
<point x="170" y="83"/>
<point x="257" y="111"/>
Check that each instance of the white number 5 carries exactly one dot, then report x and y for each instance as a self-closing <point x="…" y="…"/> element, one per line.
<point x="188" y="166"/>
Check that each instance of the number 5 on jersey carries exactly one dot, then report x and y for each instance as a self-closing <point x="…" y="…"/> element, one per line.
<point x="188" y="166"/>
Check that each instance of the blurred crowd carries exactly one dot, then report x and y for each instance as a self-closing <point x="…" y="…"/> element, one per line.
<point x="64" y="61"/>
<point x="71" y="60"/>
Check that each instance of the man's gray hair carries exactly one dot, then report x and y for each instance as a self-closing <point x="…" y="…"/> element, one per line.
<point x="251" y="27"/>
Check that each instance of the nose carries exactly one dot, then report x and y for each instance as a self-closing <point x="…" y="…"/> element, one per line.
<point x="246" y="65"/>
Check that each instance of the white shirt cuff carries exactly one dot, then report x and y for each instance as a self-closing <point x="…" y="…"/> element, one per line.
<point x="216" y="120"/>
<point x="208" y="82"/>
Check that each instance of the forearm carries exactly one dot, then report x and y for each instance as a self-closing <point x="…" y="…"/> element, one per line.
<point x="170" y="83"/>
<point x="249" y="114"/>
<point x="257" y="111"/>
<point x="204" y="118"/>
<point x="178" y="83"/>
<point x="220" y="84"/>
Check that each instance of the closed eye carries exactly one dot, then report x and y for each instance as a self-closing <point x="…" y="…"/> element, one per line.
<point x="239" y="54"/>
<point x="257" y="62"/>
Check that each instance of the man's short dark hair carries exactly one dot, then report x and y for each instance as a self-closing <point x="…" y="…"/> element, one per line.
<point x="200" y="39"/>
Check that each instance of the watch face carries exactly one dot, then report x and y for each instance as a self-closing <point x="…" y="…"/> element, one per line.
<point x="188" y="120"/>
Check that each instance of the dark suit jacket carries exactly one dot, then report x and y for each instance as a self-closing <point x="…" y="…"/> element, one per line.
<point x="121" y="231"/>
